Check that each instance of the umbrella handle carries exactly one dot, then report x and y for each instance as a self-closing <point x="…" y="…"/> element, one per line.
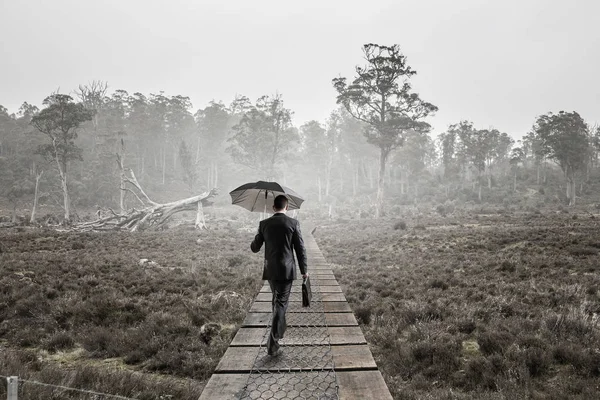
<point x="266" y="195"/>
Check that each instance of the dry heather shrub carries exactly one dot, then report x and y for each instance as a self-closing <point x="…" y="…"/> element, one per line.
<point x="60" y="341"/>
<point x="494" y="342"/>
<point x="363" y="314"/>
<point x="400" y="225"/>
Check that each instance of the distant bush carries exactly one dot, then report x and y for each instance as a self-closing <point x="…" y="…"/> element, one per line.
<point x="77" y="246"/>
<point x="537" y="361"/>
<point x="400" y="225"/>
<point x="363" y="314"/>
<point x="440" y="209"/>
<point x="235" y="261"/>
<point x="583" y="251"/>
<point x="438" y="284"/>
<point x="466" y="326"/>
<point x="494" y="342"/>
<point x="60" y="341"/>
<point x="480" y="372"/>
<point x="507" y="266"/>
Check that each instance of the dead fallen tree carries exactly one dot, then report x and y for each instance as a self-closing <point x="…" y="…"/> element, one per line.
<point x="150" y="215"/>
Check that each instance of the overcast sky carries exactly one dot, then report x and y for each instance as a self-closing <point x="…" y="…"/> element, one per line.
<point x="496" y="63"/>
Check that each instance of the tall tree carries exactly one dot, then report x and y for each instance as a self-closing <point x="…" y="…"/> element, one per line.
<point x="516" y="157"/>
<point x="564" y="136"/>
<point x="412" y="159"/>
<point x="59" y="122"/>
<point x="190" y="175"/>
<point x="314" y="146"/>
<point x="263" y="136"/>
<point x="533" y="149"/>
<point x="356" y="154"/>
<point x="382" y="98"/>
<point x="213" y="123"/>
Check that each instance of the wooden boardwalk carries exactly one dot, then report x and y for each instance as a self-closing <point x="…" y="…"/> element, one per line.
<point x="325" y="355"/>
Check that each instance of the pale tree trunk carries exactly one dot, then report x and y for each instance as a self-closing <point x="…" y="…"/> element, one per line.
<point x="370" y="176"/>
<point x="200" y="220"/>
<point x="328" y="179"/>
<point x="355" y="181"/>
<point x="588" y="168"/>
<point x="66" y="202"/>
<point x="62" y="171"/>
<point x="489" y="180"/>
<point x="416" y="191"/>
<point x="545" y="176"/>
<point x="538" y="174"/>
<point x="402" y="182"/>
<point x="381" y="181"/>
<point x="164" y="164"/>
<point x="142" y="167"/>
<point x="515" y="182"/>
<point x="197" y="160"/>
<point x="175" y="159"/>
<point x="571" y="190"/>
<point x="36" y="195"/>
<point x="319" y="188"/>
<point x="123" y="181"/>
<point x="216" y="176"/>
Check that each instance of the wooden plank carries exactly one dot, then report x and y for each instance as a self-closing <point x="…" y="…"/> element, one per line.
<point x="298" y="289"/>
<point x="320" y="273"/>
<point x="296" y="297"/>
<point x="302" y="386"/>
<point x="262" y="319"/>
<point x="224" y="387"/>
<point x="346" y="335"/>
<point x="315" y="281"/>
<point x="295" y="336"/>
<point x="359" y="385"/>
<point x="244" y="359"/>
<point x="353" y="357"/>
<point x="296" y="306"/>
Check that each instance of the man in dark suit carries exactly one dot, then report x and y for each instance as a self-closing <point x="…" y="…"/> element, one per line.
<point x="281" y="236"/>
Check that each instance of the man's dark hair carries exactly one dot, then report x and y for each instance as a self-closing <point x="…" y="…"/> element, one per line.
<point x="280" y="202"/>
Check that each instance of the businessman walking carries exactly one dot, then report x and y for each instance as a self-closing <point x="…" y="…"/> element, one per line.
<point x="281" y="236"/>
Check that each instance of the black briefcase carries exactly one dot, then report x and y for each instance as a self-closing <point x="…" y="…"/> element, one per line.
<point x="306" y="292"/>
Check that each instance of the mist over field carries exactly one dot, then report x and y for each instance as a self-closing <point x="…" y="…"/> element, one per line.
<point x="447" y="156"/>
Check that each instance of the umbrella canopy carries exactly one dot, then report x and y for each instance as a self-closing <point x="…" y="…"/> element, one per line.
<point x="259" y="196"/>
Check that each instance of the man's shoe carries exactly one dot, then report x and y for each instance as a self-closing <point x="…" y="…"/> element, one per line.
<point x="276" y="353"/>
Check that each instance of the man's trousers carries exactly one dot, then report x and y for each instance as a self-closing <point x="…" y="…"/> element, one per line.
<point x="281" y="295"/>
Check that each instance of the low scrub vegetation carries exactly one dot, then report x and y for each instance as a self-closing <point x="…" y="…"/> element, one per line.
<point x="145" y="315"/>
<point x="495" y="306"/>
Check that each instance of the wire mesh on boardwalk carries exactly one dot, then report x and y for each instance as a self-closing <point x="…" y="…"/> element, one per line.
<point x="304" y="370"/>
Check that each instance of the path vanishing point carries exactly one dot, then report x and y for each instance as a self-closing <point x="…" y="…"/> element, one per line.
<point x="325" y="355"/>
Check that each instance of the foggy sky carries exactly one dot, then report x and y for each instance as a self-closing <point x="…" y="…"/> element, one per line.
<point x="497" y="64"/>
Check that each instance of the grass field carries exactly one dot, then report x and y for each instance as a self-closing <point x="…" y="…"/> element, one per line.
<point x="488" y="306"/>
<point x="79" y="310"/>
<point x="497" y="306"/>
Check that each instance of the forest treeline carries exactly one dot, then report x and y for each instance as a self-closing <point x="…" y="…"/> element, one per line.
<point x="73" y="152"/>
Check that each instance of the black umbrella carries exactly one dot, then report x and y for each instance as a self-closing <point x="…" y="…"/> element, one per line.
<point x="259" y="196"/>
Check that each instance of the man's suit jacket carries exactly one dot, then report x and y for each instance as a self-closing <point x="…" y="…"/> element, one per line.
<point x="281" y="236"/>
